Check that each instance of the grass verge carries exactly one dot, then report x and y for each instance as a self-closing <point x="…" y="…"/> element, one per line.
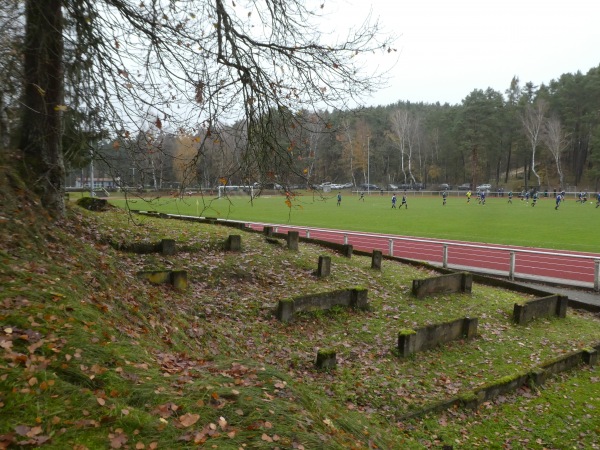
<point x="94" y="358"/>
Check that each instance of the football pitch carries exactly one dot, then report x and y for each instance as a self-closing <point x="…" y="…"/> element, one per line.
<point x="572" y="227"/>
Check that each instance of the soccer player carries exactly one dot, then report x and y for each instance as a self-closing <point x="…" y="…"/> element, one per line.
<point x="598" y="200"/>
<point x="404" y="202"/>
<point x="468" y="196"/>
<point x="394" y="201"/>
<point x="339" y="199"/>
<point x="510" y="196"/>
<point x="444" y="195"/>
<point x="482" y="198"/>
<point x="535" y="198"/>
<point x="558" y="200"/>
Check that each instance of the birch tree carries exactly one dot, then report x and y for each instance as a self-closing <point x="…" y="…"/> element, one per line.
<point x="556" y="141"/>
<point x="349" y="147"/>
<point x="533" y="119"/>
<point x="400" y="124"/>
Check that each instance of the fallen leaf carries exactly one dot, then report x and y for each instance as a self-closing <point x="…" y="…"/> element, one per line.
<point x="187" y="420"/>
<point x="117" y="440"/>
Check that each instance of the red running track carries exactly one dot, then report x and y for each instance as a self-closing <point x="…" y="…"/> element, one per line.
<point x="533" y="263"/>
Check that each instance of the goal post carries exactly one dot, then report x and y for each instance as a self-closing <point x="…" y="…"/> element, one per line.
<point x="224" y="191"/>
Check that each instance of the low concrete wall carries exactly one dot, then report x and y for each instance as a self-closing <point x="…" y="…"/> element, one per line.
<point x="413" y="341"/>
<point x="506" y="385"/>
<point x="354" y="298"/>
<point x="450" y="283"/>
<point x="502" y="386"/>
<point x="176" y="278"/>
<point x="539" y="376"/>
<point x="552" y="305"/>
<point x="166" y="247"/>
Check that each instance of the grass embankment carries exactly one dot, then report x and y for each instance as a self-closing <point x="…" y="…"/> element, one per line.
<point x="572" y="227"/>
<point x="93" y="357"/>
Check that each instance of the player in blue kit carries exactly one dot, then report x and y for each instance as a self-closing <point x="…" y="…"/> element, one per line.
<point x="558" y="200"/>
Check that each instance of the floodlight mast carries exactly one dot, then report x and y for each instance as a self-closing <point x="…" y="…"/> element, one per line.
<point x="368" y="164"/>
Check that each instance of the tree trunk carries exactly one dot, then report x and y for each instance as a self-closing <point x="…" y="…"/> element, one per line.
<point x="508" y="158"/>
<point x="4" y="124"/>
<point x="43" y="103"/>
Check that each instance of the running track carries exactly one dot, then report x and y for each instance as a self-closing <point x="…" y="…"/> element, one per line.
<point x="537" y="264"/>
<point x="565" y="267"/>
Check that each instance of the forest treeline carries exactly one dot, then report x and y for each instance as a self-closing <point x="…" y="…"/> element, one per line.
<point x="527" y="136"/>
<point x="97" y="94"/>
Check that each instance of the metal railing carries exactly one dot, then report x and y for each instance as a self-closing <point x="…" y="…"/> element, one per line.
<point x="569" y="268"/>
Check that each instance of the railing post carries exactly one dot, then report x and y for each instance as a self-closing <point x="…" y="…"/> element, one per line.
<point x="345" y="239"/>
<point x="445" y="257"/>
<point x="307" y="233"/>
<point x="276" y="228"/>
<point x="511" y="267"/>
<point x="597" y="275"/>
<point x="391" y="247"/>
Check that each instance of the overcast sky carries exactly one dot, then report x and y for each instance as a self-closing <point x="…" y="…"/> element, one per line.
<point x="448" y="48"/>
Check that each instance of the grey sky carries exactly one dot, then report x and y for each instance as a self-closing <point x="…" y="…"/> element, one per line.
<point x="446" y="49"/>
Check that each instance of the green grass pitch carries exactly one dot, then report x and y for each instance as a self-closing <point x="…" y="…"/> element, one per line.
<point x="572" y="227"/>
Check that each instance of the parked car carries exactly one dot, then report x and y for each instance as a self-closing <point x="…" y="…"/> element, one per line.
<point x="465" y="187"/>
<point x="368" y="187"/>
<point x="484" y="187"/>
<point x="393" y="187"/>
<point x="276" y="186"/>
<point x="445" y="187"/>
